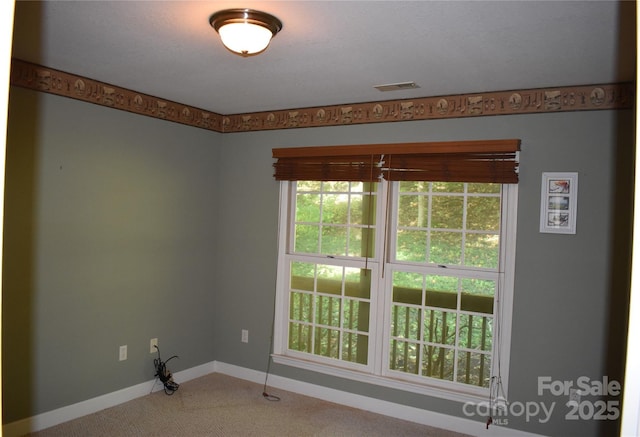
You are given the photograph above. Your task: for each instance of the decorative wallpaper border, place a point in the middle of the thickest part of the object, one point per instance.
(48, 80)
(541, 100)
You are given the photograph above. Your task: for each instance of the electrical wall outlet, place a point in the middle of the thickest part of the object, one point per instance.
(245, 336)
(152, 345)
(123, 352)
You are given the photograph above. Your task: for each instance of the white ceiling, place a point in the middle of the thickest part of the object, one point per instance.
(331, 52)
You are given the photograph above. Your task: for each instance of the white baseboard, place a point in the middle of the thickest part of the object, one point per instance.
(70, 412)
(452, 423)
(398, 411)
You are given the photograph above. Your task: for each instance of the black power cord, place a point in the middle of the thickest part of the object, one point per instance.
(162, 373)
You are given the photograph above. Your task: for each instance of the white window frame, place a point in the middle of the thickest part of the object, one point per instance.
(374, 372)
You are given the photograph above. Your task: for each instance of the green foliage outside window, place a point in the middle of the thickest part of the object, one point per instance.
(335, 218)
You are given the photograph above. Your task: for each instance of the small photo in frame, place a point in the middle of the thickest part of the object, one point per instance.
(558, 203)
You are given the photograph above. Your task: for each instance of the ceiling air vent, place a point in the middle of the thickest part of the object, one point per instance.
(397, 86)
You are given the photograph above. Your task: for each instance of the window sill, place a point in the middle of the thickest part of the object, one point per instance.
(477, 395)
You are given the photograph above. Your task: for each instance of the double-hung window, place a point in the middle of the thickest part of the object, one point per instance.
(396, 263)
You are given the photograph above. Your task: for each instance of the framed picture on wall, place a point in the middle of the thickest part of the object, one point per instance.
(559, 203)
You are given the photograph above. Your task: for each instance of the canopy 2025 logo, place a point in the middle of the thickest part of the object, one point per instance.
(602, 408)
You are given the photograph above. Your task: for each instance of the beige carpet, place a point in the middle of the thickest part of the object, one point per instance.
(219, 405)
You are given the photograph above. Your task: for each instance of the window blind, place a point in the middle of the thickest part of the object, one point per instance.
(492, 161)
(363, 168)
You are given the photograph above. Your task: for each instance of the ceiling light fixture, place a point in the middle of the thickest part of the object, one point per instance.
(245, 31)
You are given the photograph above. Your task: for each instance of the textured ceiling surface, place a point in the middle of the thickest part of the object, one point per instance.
(331, 52)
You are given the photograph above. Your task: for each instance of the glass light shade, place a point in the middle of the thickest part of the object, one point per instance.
(245, 31)
(245, 38)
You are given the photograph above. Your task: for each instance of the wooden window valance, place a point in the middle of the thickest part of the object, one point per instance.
(493, 161)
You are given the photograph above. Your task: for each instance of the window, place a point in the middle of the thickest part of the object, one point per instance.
(397, 282)
(444, 273)
(329, 287)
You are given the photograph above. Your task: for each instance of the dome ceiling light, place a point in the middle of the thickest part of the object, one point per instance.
(245, 32)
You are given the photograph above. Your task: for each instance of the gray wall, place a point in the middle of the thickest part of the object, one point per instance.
(570, 293)
(118, 229)
(111, 224)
